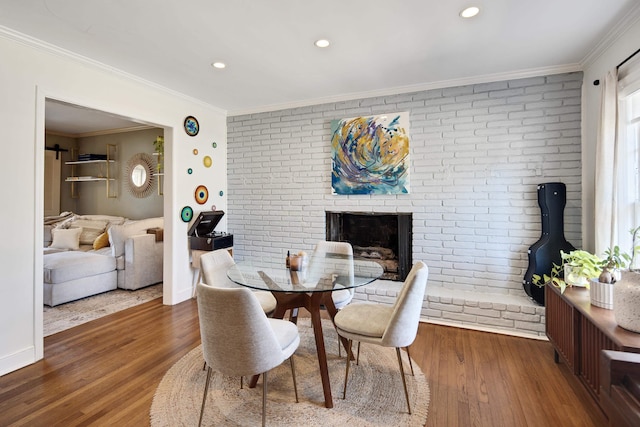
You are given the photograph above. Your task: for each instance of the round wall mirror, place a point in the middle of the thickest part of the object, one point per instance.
(139, 175)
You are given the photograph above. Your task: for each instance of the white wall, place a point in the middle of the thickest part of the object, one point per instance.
(614, 50)
(29, 74)
(477, 152)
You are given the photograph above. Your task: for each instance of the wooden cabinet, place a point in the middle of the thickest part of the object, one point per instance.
(579, 331)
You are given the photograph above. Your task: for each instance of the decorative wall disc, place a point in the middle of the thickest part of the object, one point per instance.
(221, 193)
(214, 144)
(195, 151)
(191, 126)
(186, 214)
(189, 171)
(207, 161)
(202, 194)
(213, 207)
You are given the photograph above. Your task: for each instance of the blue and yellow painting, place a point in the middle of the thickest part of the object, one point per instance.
(370, 155)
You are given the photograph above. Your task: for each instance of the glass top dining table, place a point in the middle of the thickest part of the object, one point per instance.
(310, 287)
(322, 273)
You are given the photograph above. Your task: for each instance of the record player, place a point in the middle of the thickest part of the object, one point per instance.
(202, 235)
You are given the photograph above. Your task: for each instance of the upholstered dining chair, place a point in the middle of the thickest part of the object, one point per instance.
(388, 326)
(238, 339)
(214, 267)
(340, 297)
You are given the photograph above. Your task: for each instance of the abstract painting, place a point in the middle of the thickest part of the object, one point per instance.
(370, 155)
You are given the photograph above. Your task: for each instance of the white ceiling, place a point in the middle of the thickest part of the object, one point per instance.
(378, 47)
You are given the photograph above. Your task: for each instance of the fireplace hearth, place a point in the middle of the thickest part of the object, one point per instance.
(382, 237)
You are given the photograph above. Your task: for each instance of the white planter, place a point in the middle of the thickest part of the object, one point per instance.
(601, 294)
(626, 301)
(573, 279)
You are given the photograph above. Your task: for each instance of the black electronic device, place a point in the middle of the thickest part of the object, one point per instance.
(202, 235)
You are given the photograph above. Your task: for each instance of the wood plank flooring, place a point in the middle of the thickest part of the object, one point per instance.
(105, 373)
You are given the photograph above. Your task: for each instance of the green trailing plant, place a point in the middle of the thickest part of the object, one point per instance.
(582, 264)
(158, 146)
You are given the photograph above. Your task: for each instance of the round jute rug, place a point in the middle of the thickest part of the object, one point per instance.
(374, 396)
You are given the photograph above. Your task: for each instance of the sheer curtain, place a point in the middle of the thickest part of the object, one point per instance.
(617, 186)
(606, 197)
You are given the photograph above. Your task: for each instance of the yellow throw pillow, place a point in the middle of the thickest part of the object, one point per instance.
(102, 241)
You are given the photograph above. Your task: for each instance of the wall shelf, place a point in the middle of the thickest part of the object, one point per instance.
(105, 171)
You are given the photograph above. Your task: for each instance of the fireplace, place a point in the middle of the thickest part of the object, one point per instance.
(382, 237)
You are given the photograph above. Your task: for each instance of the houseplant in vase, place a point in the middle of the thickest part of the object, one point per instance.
(626, 298)
(158, 146)
(577, 268)
(601, 289)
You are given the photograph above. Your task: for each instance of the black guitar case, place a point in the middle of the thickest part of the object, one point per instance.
(552, 198)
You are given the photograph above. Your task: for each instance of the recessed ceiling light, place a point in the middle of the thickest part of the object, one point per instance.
(470, 12)
(322, 43)
(219, 65)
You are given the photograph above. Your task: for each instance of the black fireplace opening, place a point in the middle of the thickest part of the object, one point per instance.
(385, 238)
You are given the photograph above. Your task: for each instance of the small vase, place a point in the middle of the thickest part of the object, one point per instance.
(601, 294)
(626, 301)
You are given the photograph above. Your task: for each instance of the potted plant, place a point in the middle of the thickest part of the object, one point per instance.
(577, 268)
(601, 289)
(158, 146)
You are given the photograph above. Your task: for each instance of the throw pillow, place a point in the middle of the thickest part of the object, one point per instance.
(91, 229)
(66, 238)
(102, 241)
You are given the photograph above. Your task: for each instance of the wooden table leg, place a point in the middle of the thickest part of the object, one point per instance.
(316, 321)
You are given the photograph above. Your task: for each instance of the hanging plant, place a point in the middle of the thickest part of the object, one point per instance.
(158, 146)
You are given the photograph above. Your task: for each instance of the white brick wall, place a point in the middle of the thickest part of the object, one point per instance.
(477, 155)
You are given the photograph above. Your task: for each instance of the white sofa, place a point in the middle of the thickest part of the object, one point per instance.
(80, 263)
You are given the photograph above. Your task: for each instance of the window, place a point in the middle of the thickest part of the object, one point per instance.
(629, 142)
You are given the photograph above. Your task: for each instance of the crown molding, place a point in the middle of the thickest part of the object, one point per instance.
(487, 78)
(619, 29)
(44, 46)
(100, 132)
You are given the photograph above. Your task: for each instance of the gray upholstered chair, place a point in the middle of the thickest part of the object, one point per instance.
(214, 267)
(340, 297)
(238, 339)
(388, 326)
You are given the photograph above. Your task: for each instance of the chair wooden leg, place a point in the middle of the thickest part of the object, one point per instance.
(410, 364)
(346, 375)
(404, 381)
(204, 397)
(293, 374)
(264, 399)
(358, 357)
(293, 315)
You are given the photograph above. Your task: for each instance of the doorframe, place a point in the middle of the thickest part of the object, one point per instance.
(42, 94)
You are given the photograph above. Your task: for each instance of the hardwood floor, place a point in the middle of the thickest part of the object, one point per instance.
(105, 373)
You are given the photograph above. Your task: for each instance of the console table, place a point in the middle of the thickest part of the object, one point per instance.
(579, 331)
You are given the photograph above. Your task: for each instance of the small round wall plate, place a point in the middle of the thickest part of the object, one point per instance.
(191, 126)
(186, 214)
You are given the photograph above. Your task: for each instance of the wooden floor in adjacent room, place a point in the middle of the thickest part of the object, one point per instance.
(105, 373)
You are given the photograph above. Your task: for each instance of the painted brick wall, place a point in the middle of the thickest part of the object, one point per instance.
(478, 153)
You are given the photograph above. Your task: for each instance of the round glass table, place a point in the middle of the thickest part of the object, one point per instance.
(309, 287)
